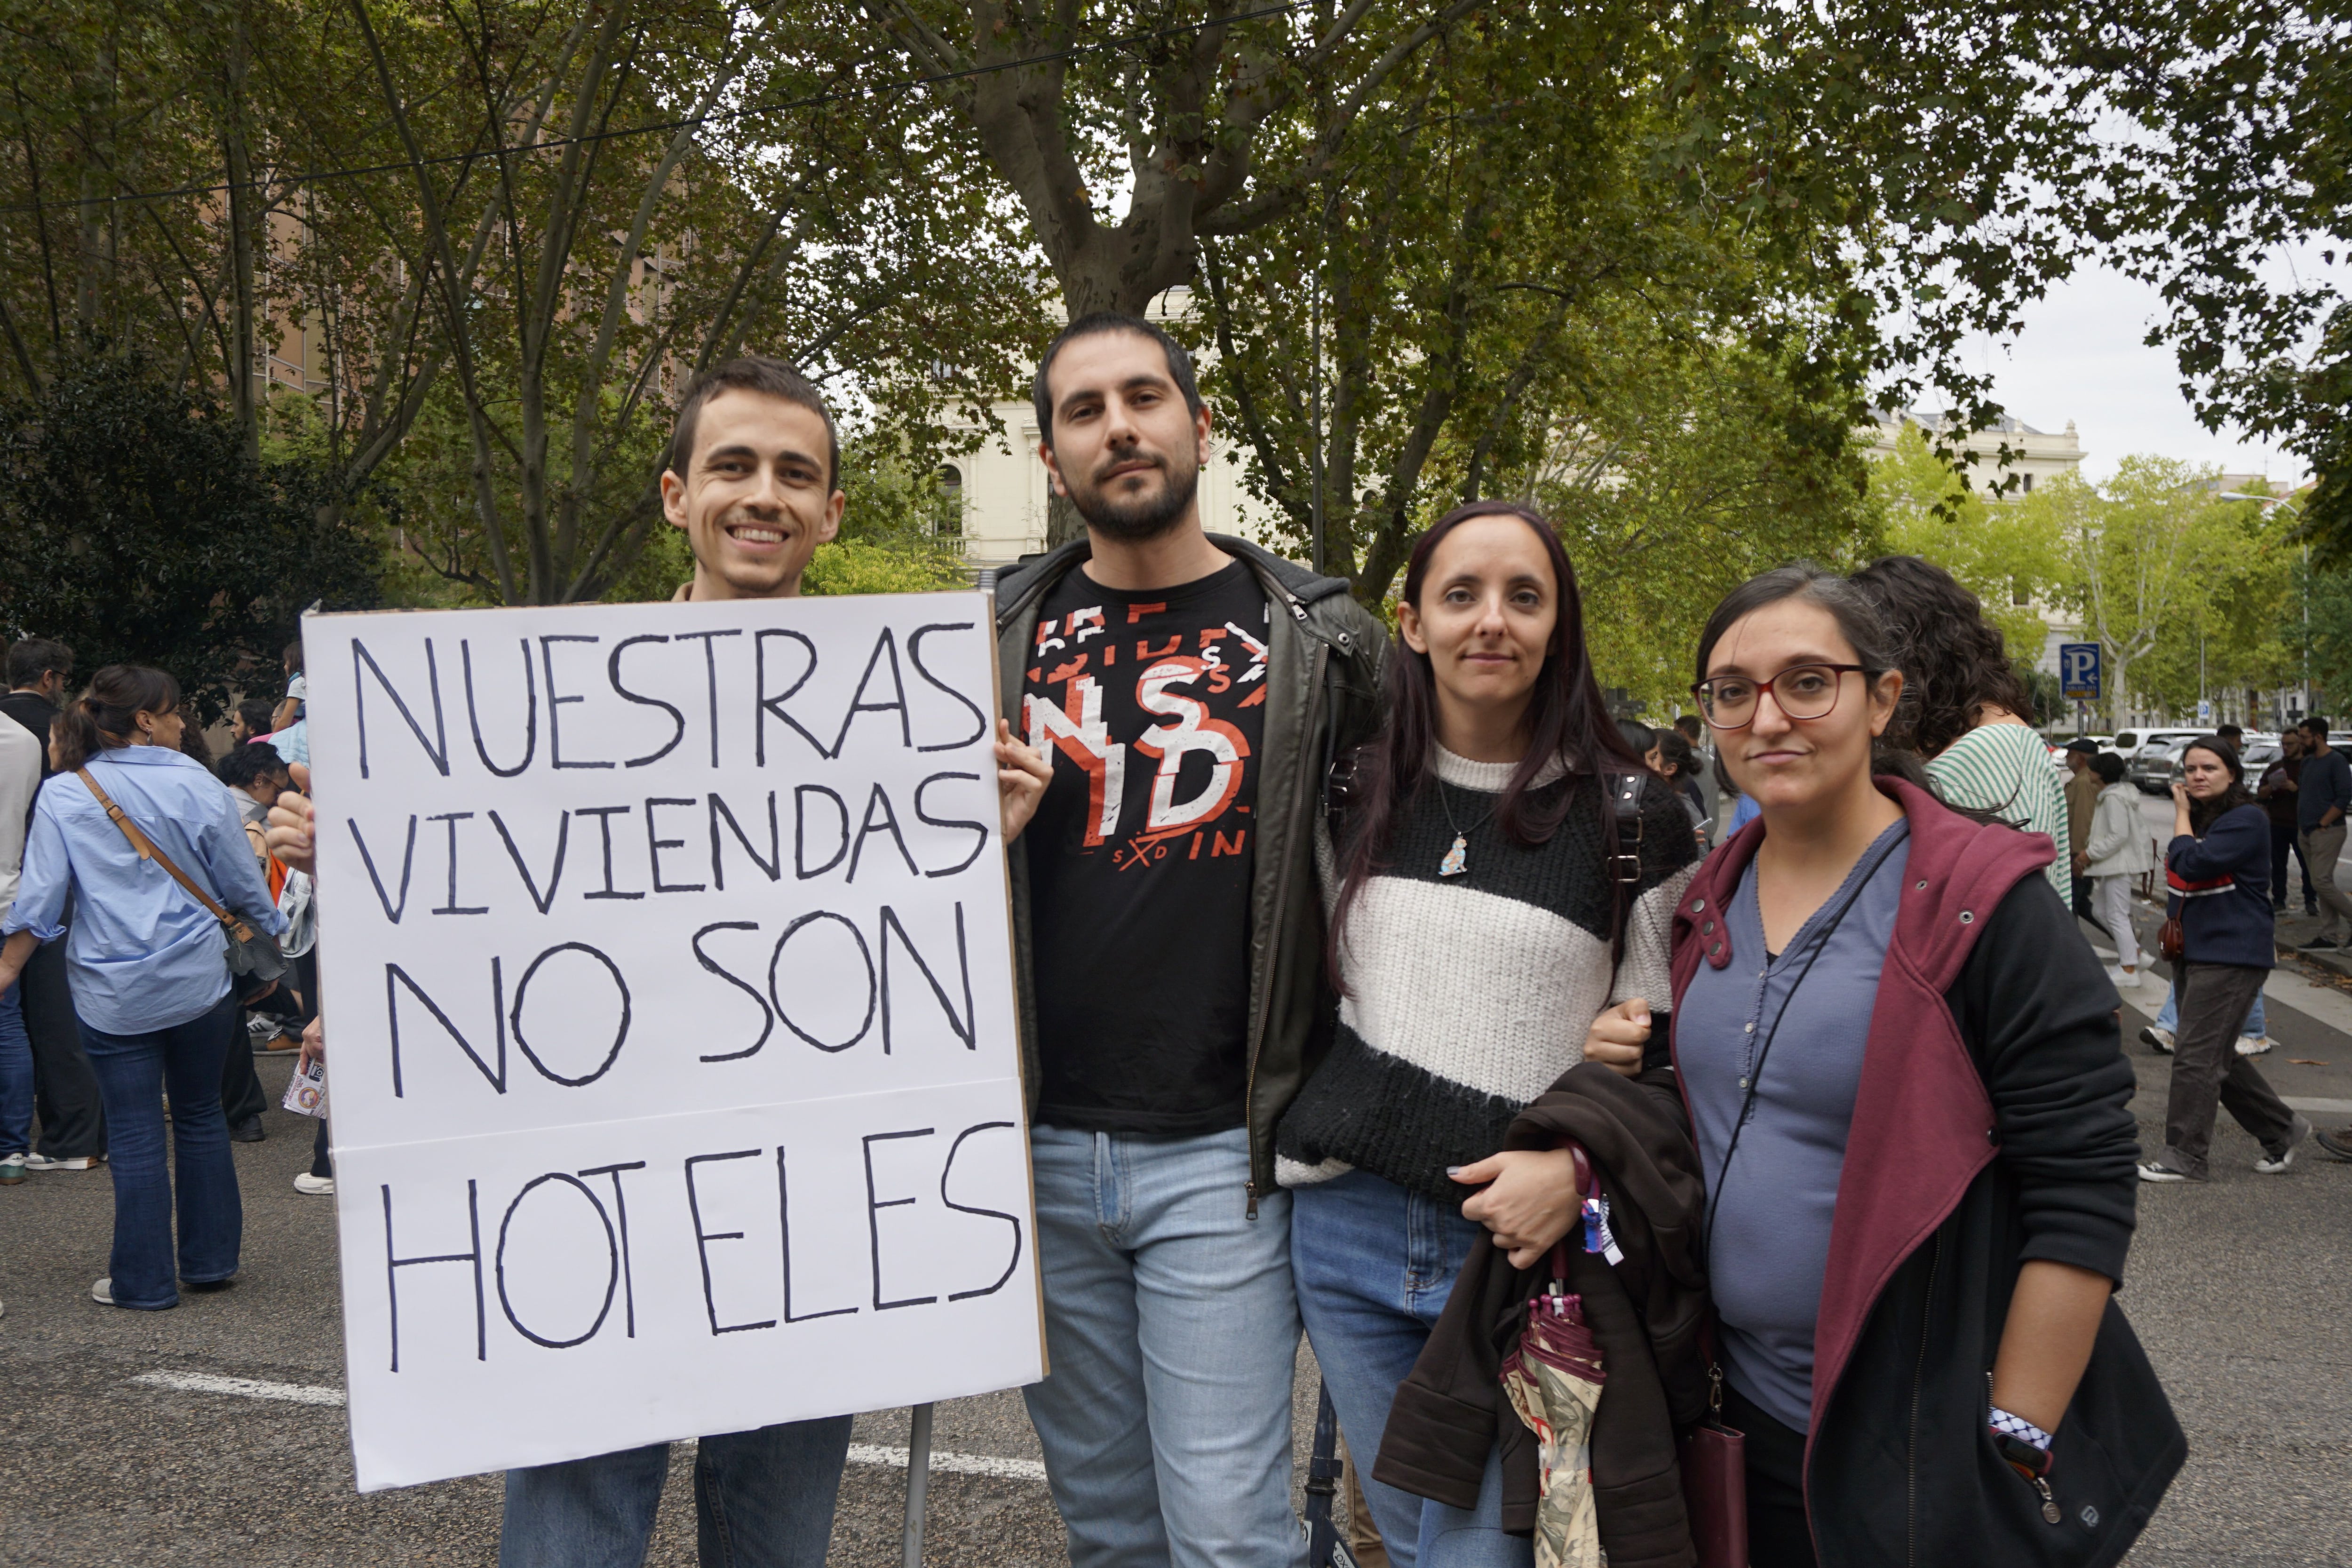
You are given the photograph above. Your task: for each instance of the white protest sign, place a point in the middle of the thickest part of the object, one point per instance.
(667, 978)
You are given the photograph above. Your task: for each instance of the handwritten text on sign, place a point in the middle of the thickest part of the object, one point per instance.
(665, 958)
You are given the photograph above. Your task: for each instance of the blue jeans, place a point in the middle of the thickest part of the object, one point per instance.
(1173, 1338)
(1375, 1264)
(16, 1075)
(2167, 1018)
(133, 1073)
(762, 1499)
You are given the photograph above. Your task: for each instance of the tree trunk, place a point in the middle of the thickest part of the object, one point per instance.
(245, 396)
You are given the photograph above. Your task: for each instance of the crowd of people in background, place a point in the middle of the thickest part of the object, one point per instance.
(1379, 1078)
(122, 843)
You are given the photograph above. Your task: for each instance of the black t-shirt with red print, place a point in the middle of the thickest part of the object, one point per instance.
(1153, 705)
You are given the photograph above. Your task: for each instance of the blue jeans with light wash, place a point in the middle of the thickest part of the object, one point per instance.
(16, 1075)
(1172, 1336)
(134, 1072)
(2167, 1018)
(762, 1499)
(1375, 1264)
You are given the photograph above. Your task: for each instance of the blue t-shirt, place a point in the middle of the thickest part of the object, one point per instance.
(1769, 1244)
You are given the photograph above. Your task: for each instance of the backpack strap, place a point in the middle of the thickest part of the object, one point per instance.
(149, 850)
(1625, 792)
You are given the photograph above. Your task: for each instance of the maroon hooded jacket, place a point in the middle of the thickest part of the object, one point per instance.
(1991, 1127)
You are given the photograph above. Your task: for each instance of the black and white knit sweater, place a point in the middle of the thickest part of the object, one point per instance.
(1468, 995)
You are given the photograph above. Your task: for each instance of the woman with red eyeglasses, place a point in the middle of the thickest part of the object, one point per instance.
(1911, 1107)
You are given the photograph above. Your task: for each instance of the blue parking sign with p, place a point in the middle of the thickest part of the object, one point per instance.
(2078, 671)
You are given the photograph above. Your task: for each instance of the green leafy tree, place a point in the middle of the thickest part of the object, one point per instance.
(2157, 564)
(2009, 555)
(1489, 295)
(2230, 636)
(142, 529)
(579, 279)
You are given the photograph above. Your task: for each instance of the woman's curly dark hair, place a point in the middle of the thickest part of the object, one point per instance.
(1952, 661)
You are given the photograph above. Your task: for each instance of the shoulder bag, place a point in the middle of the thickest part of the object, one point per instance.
(255, 961)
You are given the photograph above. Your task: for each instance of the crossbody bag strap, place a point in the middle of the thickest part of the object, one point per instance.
(149, 850)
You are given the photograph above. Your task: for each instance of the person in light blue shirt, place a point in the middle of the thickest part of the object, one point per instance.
(147, 966)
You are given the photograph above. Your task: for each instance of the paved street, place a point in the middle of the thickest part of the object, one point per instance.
(2238, 1289)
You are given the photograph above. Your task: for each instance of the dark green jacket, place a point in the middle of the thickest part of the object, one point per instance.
(1324, 659)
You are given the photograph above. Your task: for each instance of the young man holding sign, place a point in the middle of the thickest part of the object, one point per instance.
(753, 480)
(1191, 692)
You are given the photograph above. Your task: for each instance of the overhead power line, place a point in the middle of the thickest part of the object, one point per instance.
(782, 106)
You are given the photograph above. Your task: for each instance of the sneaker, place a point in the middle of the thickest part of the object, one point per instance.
(2157, 1040)
(2121, 979)
(71, 1163)
(102, 1292)
(11, 1169)
(2273, 1161)
(2337, 1144)
(2320, 944)
(2255, 1044)
(2158, 1170)
(315, 1186)
(261, 1026)
(247, 1132)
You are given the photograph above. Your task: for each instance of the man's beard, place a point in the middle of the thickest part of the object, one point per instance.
(1146, 517)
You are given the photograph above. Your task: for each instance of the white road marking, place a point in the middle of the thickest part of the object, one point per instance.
(244, 1388)
(2324, 1107)
(953, 1464)
(2322, 1003)
(859, 1452)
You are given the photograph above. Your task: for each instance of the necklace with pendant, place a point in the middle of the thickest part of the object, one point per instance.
(1457, 860)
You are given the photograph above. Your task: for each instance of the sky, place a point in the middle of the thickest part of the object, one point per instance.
(2080, 357)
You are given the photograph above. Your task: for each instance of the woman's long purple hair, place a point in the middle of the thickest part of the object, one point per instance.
(1568, 718)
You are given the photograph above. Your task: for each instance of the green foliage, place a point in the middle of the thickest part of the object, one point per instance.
(1508, 303)
(139, 530)
(863, 566)
(899, 527)
(2008, 556)
(2184, 592)
(1690, 474)
(2327, 592)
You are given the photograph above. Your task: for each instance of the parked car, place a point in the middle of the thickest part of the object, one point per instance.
(2152, 769)
(2258, 755)
(2132, 743)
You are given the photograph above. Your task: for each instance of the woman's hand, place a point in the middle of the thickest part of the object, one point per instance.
(1529, 1201)
(314, 1046)
(1618, 1038)
(291, 819)
(1022, 775)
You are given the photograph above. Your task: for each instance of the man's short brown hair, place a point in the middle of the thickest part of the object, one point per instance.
(752, 372)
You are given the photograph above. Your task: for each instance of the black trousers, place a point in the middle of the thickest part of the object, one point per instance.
(242, 1099)
(65, 1091)
(1778, 1535)
(2284, 837)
